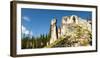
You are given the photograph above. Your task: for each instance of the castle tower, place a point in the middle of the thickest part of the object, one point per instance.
(54, 33)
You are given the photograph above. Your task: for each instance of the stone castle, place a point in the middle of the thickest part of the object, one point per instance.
(63, 30)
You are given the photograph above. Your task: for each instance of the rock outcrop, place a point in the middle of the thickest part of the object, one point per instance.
(70, 26)
(54, 33)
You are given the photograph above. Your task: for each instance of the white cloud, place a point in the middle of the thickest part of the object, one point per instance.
(31, 33)
(26, 18)
(27, 32)
(24, 30)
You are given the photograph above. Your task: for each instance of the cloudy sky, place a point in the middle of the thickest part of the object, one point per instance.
(37, 21)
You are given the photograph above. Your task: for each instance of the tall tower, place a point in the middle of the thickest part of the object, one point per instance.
(54, 33)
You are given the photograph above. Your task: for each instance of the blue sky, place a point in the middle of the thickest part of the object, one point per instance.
(37, 21)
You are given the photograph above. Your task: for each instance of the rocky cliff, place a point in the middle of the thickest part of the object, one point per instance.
(74, 30)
